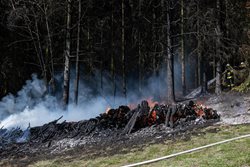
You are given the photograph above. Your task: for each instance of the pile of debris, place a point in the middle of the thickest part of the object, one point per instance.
(122, 120)
(169, 115)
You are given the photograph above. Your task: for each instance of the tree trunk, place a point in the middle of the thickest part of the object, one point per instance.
(140, 59)
(124, 86)
(77, 51)
(218, 78)
(36, 49)
(196, 73)
(162, 37)
(140, 63)
(112, 54)
(50, 49)
(40, 50)
(214, 66)
(183, 69)
(170, 70)
(199, 66)
(204, 83)
(218, 52)
(154, 43)
(155, 56)
(198, 46)
(67, 58)
(227, 18)
(204, 87)
(101, 79)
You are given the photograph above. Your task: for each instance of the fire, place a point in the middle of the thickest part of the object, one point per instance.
(107, 110)
(151, 103)
(201, 102)
(199, 109)
(132, 106)
(154, 116)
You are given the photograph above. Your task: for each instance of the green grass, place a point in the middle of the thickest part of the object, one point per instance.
(244, 87)
(233, 154)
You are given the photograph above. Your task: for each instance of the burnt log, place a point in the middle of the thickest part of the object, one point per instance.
(130, 125)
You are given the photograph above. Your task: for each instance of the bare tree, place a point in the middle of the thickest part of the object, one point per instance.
(140, 55)
(47, 12)
(78, 50)
(67, 58)
(182, 53)
(169, 58)
(198, 72)
(124, 85)
(113, 76)
(218, 47)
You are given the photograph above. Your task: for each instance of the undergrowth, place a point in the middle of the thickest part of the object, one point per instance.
(244, 87)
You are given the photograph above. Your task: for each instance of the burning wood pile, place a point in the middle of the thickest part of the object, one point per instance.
(171, 116)
(123, 120)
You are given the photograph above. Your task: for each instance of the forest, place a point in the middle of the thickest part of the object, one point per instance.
(117, 82)
(118, 47)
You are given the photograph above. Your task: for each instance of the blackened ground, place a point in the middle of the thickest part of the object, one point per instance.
(233, 107)
(96, 146)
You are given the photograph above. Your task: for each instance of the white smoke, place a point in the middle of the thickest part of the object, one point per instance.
(42, 114)
(33, 104)
(29, 95)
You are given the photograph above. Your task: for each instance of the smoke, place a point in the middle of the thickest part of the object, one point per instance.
(30, 95)
(35, 105)
(41, 114)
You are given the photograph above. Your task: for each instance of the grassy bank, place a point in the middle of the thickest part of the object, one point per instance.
(236, 153)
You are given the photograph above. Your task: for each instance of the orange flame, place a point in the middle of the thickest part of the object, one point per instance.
(199, 109)
(107, 110)
(151, 103)
(154, 116)
(132, 106)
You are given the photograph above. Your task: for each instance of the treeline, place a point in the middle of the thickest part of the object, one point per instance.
(126, 38)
